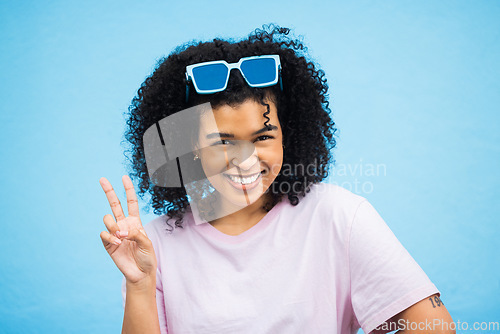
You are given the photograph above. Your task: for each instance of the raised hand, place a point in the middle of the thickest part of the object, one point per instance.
(126, 241)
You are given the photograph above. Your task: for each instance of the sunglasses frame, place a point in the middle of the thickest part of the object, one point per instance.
(190, 77)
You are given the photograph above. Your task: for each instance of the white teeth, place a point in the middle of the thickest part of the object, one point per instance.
(245, 180)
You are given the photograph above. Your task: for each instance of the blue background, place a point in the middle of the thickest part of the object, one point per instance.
(414, 89)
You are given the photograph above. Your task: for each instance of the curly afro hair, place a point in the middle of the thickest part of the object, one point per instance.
(303, 112)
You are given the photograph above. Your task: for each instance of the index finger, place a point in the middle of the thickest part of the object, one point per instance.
(113, 200)
(132, 204)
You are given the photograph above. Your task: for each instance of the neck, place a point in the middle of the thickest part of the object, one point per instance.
(241, 219)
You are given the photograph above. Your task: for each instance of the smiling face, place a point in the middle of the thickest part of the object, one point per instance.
(239, 155)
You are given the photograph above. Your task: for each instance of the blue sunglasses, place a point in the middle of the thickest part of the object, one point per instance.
(212, 76)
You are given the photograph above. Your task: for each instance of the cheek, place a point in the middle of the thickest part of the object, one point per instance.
(209, 167)
(214, 160)
(273, 157)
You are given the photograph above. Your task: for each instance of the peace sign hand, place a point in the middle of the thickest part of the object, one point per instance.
(126, 241)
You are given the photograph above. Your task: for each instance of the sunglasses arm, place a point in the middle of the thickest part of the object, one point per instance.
(279, 79)
(188, 81)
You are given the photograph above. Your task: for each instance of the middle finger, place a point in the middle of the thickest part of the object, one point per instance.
(132, 204)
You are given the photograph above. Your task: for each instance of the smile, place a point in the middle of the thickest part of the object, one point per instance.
(245, 182)
(245, 179)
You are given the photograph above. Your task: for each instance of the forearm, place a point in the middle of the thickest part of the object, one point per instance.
(141, 314)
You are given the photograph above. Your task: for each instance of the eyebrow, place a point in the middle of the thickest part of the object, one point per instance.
(230, 135)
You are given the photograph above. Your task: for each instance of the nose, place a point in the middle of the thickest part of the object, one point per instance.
(245, 156)
(246, 164)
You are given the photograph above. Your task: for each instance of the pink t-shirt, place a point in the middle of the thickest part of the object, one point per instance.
(328, 265)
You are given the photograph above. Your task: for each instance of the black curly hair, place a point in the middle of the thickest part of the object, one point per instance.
(303, 112)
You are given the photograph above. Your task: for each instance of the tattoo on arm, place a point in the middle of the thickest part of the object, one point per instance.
(436, 301)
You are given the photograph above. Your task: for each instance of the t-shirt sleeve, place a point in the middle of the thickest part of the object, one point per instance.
(385, 279)
(160, 302)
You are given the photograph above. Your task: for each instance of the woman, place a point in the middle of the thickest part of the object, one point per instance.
(249, 240)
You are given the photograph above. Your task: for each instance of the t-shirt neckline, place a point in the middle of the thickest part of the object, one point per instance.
(209, 230)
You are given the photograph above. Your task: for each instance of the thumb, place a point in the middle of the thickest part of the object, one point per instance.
(139, 235)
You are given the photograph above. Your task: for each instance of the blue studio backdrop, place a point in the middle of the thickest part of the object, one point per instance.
(414, 90)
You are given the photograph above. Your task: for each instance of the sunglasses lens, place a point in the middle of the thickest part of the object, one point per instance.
(210, 77)
(259, 71)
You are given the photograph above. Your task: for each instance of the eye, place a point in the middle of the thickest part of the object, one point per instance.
(221, 142)
(264, 137)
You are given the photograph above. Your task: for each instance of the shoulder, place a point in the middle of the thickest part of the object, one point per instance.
(326, 207)
(157, 228)
(332, 198)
